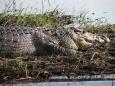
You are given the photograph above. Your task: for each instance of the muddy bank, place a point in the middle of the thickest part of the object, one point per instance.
(43, 67)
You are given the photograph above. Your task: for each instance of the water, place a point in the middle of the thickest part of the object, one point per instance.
(83, 83)
(105, 76)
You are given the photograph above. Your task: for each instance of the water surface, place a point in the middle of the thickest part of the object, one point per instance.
(83, 83)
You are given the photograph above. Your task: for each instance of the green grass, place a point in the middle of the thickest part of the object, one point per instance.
(54, 18)
(48, 19)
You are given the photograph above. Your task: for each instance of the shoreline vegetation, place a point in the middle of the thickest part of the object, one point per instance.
(43, 67)
(30, 80)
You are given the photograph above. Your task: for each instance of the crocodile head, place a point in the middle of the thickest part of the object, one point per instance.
(84, 39)
(89, 37)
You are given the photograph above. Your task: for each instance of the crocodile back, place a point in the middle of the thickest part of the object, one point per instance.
(15, 40)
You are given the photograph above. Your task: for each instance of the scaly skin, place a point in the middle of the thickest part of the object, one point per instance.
(22, 40)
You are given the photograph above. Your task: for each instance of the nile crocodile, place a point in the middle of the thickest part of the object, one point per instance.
(15, 40)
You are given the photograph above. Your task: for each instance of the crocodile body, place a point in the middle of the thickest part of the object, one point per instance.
(15, 40)
(22, 40)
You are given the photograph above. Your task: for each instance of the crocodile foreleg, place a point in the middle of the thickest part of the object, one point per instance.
(56, 49)
(46, 44)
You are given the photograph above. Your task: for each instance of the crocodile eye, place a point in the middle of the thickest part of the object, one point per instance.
(84, 31)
